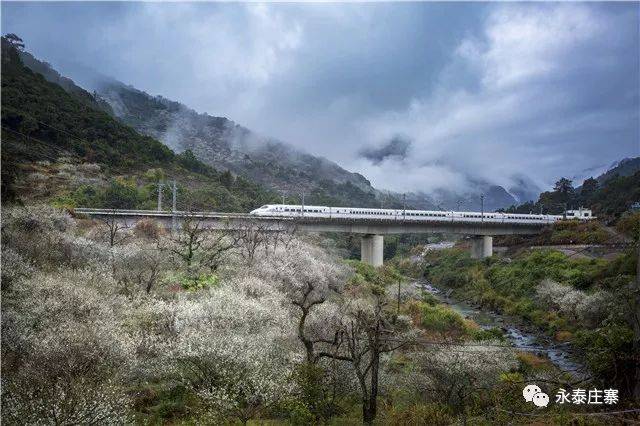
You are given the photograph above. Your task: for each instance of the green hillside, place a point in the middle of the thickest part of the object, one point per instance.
(609, 195)
(52, 136)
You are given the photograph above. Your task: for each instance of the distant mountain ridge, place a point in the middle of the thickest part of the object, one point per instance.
(624, 167)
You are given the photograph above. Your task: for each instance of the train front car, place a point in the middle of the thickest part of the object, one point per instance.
(266, 210)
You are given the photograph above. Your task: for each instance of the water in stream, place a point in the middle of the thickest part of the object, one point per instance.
(558, 354)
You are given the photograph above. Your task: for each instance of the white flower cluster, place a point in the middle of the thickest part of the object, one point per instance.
(451, 374)
(237, 345)
(588, 308)
(66, 347)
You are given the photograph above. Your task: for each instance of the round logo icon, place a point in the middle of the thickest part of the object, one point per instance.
(529, 391)
(541, 399)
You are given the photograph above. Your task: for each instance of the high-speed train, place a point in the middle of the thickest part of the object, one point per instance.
(286, 210)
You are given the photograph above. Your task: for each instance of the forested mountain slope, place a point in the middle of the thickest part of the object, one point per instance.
(609, 195)
(61, 145)
(225, 145)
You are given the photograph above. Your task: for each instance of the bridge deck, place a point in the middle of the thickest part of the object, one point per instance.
(331, 224)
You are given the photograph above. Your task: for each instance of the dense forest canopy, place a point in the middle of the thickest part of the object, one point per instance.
(608, 199)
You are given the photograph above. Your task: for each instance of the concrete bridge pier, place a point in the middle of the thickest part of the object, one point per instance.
(371, 249)
(481, 246)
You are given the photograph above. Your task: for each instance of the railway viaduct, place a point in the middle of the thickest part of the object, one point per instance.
(372, 229)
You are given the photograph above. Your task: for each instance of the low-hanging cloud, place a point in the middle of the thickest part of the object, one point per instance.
(540, 100)
(482, 91)
(397, 148)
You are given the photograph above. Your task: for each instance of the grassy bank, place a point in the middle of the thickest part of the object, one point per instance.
(586, 302)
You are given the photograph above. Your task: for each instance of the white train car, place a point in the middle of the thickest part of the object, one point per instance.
(287, 210)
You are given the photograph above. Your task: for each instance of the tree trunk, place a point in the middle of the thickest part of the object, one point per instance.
(366, 412)
(367, 415)
(308, 345)
(373, 394)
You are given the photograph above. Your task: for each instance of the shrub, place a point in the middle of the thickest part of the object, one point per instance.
(629, 224)
(590, 309)
(147, 228)
(453, 376)
(140, 266)
(41, 235)
(607, 352)
(234, 350)
(14, 268)
(65, 352)
(442, 319)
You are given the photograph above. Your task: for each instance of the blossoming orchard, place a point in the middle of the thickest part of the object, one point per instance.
(106, 324)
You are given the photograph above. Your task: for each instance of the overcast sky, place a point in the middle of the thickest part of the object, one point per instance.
(414, 96)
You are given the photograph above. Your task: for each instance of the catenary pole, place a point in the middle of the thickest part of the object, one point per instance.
(173, 217)
(160, 185)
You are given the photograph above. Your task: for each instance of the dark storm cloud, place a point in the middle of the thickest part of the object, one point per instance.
(397, 149)
(493, 90)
